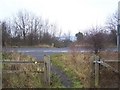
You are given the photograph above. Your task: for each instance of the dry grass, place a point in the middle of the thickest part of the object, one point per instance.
(80, 64)
(28, 78)
(109, 55)
(109, 79)
(20, 57)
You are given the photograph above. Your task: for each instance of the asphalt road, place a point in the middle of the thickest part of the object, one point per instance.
(40, 52)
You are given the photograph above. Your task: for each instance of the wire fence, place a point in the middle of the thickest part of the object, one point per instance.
(101, 70)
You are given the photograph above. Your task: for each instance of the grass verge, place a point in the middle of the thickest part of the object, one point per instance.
(55, 82)
(57, 61)
(77, 67)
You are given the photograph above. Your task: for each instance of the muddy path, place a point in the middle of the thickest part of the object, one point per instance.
(65, 80)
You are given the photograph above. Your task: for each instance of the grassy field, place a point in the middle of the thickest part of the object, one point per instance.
(77, 67)
(29, 78)
(34, 46)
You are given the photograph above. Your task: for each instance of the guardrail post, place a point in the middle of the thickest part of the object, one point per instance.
(47, 70)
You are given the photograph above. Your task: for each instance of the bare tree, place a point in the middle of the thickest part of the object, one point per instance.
(22, 24)
(34, 30)
(67, 39)
(112, 23)
(28, 27)
(53, 29)
(96, 38)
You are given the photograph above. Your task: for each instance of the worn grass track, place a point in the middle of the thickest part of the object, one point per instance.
(64, 79)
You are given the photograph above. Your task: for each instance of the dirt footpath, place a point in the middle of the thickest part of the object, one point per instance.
(65, 80)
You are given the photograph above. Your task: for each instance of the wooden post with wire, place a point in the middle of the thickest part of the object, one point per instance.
(97, 71)
(92, 70)
(47, 70)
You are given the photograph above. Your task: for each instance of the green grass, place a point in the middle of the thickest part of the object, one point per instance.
(55, 82)
(56, 60)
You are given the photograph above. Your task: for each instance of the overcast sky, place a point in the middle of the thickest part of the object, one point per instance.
(69, 15)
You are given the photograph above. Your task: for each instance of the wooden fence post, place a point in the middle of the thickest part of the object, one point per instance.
(92, 76)
(97, 71)
(94, 64)
(47, 70)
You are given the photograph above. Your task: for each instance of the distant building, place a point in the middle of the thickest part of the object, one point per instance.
(72, 38)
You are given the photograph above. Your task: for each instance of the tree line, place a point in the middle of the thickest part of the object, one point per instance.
(26, 29)
(98, 38)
